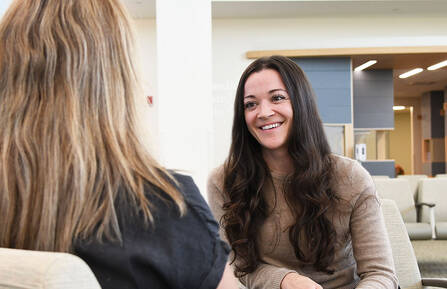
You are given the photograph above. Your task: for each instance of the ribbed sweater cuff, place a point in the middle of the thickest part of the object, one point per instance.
(278, 276)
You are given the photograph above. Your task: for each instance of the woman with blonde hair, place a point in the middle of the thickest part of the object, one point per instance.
(74, 175)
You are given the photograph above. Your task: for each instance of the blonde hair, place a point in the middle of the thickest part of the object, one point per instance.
(69, 147)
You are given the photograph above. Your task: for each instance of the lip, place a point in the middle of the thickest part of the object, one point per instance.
(270, 123)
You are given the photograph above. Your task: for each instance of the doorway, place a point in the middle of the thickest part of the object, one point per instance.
(401, 140)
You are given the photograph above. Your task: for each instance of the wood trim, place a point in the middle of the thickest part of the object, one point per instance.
(381, 144)
(347, 51)
(412, 140)
(349, 140)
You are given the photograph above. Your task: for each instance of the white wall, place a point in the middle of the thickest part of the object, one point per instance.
(4, 4)
(146, 63)
(232, 38)
(184, 66)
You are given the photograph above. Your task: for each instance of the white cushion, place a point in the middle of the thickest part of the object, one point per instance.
(399, 191)
(419, 231)
(441, 230)
(414, 182)
(434, 191)
(34, 269)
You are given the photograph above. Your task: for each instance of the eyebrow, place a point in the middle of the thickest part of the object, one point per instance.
(270, 91)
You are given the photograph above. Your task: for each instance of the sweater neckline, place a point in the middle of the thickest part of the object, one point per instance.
(278, 175)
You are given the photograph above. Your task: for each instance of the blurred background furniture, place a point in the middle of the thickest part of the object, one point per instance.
(49, 270)
(434, 190)
(378, 177)
(407, 269)
(414, 181)
(399, 190)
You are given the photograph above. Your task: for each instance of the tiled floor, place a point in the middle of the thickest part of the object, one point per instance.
(432, 257)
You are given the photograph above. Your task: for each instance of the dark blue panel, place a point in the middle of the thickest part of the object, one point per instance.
(378, 168)
(324, 64)
(331, 81)
(438, 168)
(373, 99)
(335, 115)
(437, 120)
(327, 97)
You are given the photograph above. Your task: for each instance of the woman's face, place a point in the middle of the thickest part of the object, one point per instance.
(268, 110)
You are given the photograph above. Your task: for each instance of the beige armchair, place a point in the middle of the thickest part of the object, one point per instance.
(405, 262)
(399, 190)
(435, 191)
(414, 181)
(26, 269)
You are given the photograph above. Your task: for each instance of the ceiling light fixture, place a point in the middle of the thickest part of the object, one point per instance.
(438, 65)
(410, 73)
(398, 107)
(365, 65)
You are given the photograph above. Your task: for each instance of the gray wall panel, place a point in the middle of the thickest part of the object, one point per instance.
(438, 168)
(378, 168)
(331, 81)
(373, 99)
(437, 120)
(426, 116)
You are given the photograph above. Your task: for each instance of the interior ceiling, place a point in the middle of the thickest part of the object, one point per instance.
(315, 8)
(303, 8)
(413, 86)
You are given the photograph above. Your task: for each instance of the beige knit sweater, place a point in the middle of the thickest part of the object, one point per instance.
(363, 256)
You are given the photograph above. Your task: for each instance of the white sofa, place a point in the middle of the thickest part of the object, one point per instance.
(26, 269)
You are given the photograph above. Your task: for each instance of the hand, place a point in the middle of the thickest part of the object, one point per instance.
(296, 281)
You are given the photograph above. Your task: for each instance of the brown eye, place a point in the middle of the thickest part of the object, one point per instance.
(249, 105)
(278, 97)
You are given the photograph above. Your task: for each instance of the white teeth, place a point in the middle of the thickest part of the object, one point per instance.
(270, 126)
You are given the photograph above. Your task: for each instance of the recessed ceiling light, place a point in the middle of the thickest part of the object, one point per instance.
(398, 107)
(410, 73)
(438, 65)
(365, 65)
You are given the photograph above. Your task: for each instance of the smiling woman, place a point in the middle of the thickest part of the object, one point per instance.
(295, 215)
(268, 111)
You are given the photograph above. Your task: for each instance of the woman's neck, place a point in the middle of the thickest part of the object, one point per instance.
(278, 161)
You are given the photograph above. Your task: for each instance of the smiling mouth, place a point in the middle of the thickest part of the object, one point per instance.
(270, 126)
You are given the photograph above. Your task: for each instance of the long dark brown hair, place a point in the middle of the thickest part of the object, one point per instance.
(308, 190)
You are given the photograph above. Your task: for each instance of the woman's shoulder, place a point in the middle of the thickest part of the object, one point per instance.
(215, 191)
(351, 178)
(147, 251)
(192, 196)
(216, 177)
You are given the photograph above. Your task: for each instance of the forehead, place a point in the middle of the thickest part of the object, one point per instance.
(262, 82)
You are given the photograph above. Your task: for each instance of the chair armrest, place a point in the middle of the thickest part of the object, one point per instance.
(435, 282)
(431, 212)
(431, 205)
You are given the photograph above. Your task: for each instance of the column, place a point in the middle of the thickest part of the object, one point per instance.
(185, 86)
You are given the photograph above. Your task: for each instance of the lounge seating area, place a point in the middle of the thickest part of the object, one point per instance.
(422, 203)
(399, 190)
(407, 267)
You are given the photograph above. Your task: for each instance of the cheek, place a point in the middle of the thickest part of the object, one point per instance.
(248, 119)
(250, 122)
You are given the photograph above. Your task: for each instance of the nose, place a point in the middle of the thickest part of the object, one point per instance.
(265, 110)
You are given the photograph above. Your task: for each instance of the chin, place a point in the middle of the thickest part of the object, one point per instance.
(272, 147)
